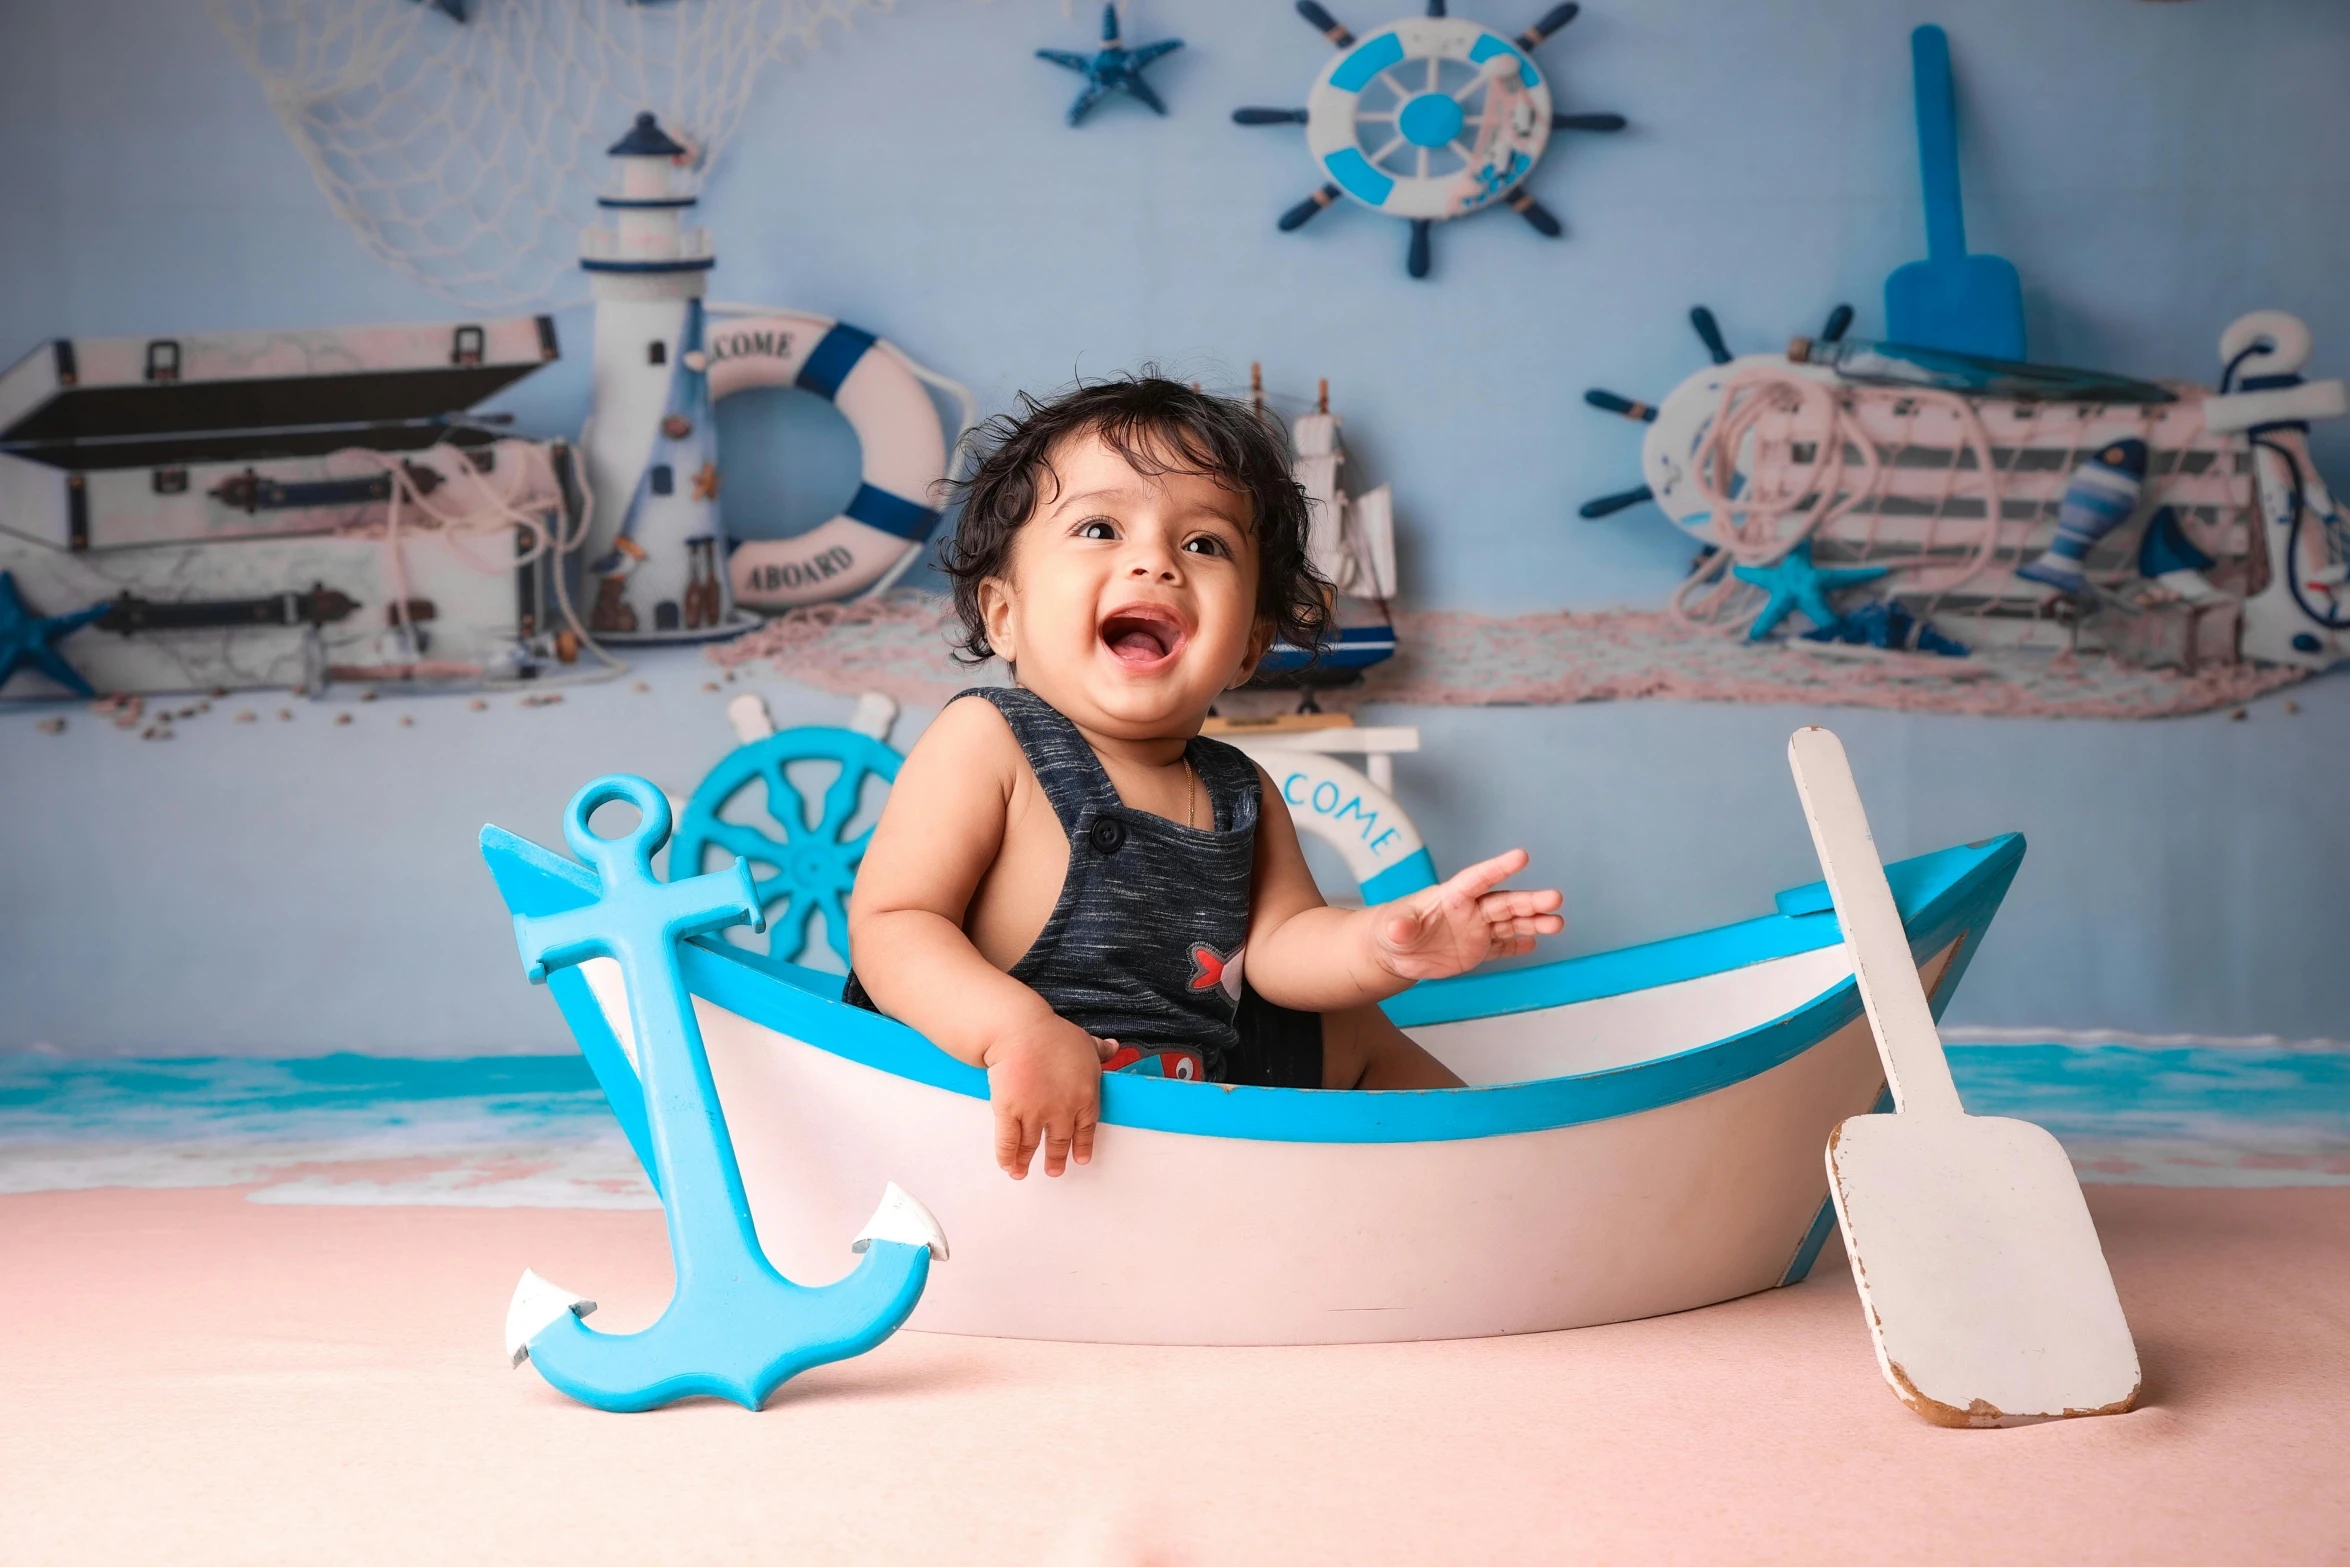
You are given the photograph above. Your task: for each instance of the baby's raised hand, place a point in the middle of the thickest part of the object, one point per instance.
(1450, 929)
(1046, 1087)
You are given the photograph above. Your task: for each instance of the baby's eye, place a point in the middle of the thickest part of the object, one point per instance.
(1097, 528)
(1206, 544)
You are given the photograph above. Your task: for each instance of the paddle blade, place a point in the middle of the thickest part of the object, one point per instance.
(1979, 1270)
(1968, 304)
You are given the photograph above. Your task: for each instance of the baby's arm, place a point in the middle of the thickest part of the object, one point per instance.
(938, 836)
(1306, 955)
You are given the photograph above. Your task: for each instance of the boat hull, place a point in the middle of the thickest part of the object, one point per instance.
(1646, 1179)
(1172, 1238)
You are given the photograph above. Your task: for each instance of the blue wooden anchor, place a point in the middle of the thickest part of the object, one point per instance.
(735, 1327)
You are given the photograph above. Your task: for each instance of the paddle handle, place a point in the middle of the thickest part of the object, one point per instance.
(1907, 1041)
(1929, 61)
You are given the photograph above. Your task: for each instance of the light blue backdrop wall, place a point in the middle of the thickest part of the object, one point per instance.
(2153, 170)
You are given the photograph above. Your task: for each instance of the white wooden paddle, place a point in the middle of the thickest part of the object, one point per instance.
(1979, 1270)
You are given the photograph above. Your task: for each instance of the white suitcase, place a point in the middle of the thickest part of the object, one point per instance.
(247, 504)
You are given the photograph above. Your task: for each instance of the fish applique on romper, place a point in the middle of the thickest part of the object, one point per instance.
(1210, 970)
(1183, 1065)
(1213, 971)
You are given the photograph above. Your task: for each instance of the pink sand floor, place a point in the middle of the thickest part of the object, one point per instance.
(188, 1377)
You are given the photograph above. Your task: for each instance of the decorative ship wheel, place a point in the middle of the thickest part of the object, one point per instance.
(1709, 332)
(797, 870)
(1428, 119)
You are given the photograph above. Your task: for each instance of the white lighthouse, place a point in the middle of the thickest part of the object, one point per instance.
(654, 544)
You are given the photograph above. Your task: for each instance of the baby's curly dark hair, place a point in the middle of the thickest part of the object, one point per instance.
(1158, 426)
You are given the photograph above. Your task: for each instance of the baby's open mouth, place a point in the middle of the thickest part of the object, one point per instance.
(1142, 634)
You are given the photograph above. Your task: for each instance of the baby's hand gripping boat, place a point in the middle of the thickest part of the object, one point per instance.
(1642, 1134)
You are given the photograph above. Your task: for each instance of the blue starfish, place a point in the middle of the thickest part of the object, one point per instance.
(1793, 582)
(1114, 68)
(1885, 624)
(25, 638)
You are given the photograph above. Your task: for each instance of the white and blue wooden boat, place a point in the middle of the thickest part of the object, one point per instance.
(1643, 1134)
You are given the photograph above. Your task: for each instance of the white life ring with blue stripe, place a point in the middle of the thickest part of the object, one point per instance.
(1331, 801)
(1429, 117)
(904, 455)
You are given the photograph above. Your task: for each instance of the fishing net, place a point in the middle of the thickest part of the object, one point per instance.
(463, 140)
(1456, 659)
(900, 644)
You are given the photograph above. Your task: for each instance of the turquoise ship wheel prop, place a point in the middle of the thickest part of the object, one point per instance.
(1429, 119)
(797, 870)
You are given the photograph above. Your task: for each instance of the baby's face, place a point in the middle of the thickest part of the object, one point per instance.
(1131, 598)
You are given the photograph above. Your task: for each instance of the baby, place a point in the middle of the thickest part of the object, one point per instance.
(1067, 875)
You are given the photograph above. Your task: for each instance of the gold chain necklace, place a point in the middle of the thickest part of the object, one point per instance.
(1190, 794)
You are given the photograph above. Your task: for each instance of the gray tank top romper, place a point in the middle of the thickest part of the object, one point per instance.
(1142, 945)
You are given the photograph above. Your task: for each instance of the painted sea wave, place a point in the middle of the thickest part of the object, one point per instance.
(533, 1131)
(489, 1131)
(2174, 1116)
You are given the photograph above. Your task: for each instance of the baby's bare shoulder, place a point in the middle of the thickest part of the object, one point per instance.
(968, 750)
(966, 731)
(946, 816)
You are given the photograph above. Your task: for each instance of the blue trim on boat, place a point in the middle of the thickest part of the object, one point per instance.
(1810, 898)
(1370, 57)
(1815, 1240)
(833, 357)
(626, 202)
(1920, 886)
(607, 1060)
(1952, 894)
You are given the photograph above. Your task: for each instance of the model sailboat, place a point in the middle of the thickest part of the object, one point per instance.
(1352, 546)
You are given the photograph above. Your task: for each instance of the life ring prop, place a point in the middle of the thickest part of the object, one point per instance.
(1346, 810)
(1406, 92)
(904, 455)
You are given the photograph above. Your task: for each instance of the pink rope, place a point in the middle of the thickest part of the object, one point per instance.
(524, 495)
(1756, 521)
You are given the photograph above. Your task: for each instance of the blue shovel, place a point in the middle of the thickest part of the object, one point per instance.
(735, 1328)
(1968, 304)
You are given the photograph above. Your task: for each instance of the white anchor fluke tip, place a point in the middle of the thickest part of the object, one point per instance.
(536, 1303)
(900, 1218)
